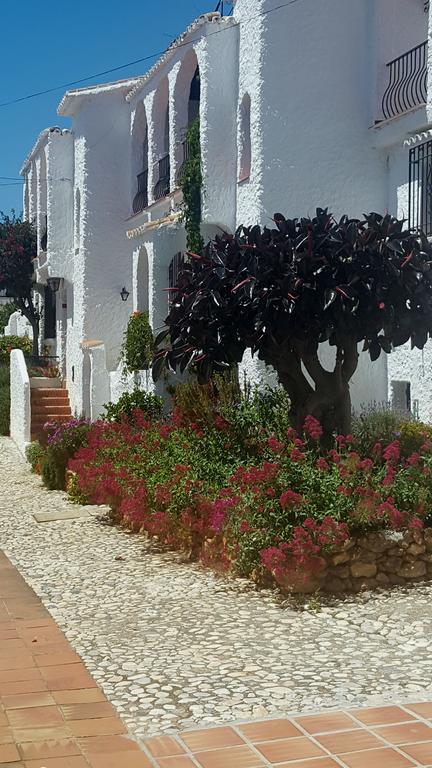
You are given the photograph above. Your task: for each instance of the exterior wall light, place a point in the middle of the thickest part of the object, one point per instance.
(124, 293)
(54, 283)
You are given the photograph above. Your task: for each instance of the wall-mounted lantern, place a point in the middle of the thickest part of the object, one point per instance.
(124, 293)
(54, 283)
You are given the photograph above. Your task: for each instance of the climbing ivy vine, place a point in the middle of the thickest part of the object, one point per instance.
(191, 185)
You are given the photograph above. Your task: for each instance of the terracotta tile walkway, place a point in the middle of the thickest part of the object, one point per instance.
(53, 715)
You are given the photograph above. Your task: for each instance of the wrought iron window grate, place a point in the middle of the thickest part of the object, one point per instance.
(420, 187)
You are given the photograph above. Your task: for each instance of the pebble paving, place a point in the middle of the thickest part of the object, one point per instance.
(174, 646)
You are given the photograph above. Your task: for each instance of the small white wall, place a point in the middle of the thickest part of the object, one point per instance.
(99, 381)
(20, 410)
(414, 366)
(18, 325)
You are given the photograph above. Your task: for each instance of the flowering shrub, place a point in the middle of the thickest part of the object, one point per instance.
(63, 440)
(35, 453)
(8, 343)
(275, 504)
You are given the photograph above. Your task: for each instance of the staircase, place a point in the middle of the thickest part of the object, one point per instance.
(48, 405)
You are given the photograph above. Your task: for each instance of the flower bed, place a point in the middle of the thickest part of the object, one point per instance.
(260, 501)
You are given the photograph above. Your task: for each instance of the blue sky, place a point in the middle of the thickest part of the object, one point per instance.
(45, 44)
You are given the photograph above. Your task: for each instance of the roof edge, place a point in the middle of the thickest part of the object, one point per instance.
(41, 139)
(182, 39)
(69, 99)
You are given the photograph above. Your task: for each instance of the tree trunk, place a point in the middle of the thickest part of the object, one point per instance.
(328, 400)
(35, 342)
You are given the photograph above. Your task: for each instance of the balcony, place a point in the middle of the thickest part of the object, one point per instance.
(407, 82)
(140, 200)
(162, 187)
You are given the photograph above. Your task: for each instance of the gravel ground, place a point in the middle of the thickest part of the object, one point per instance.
(174, 646)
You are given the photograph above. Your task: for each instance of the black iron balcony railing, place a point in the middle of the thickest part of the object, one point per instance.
(407, 87)
(420, 188)
(185, 156)
(162, 187)
(140, 200)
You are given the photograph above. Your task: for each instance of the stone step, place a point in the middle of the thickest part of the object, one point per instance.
(51, 409)
(41, 418)
(37, 394)
(50, 402)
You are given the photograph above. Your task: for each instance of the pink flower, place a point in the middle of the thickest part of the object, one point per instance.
(275, 445)
(297, 455)
(413, 459)
(313, 428)
(322, 465)
(366, 465)
(290, 499)
(391, 453)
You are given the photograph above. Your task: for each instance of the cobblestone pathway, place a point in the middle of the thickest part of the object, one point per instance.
(173, 646)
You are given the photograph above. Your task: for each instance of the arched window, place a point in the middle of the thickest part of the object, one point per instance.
(139, 160)
(194, 97)
(161, 119)
(176, 264)
(245, 158)
(187, 96)
(142, 281)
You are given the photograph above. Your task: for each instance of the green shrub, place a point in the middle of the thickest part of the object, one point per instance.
(413, 435)
(64, 440)
(4, 399)
(200, 403)
(53, 475)
(8, 343)
(6, 310)
(138, 343)
(138, 400)
(376, 424)
(35, 453)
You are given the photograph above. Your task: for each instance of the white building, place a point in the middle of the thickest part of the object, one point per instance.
(316, 103)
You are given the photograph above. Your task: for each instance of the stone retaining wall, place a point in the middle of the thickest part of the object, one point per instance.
(375, 560)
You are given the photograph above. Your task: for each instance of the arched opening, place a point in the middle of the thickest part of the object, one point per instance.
(142, 281)
(187, 106)
(245, 157)
(139, 159)
(161, 117)
(176, 264)
(194, 97)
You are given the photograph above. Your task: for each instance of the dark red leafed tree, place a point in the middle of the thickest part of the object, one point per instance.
(18, 248)
(283, 291)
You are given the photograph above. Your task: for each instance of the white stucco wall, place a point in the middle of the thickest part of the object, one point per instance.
(20, 412)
